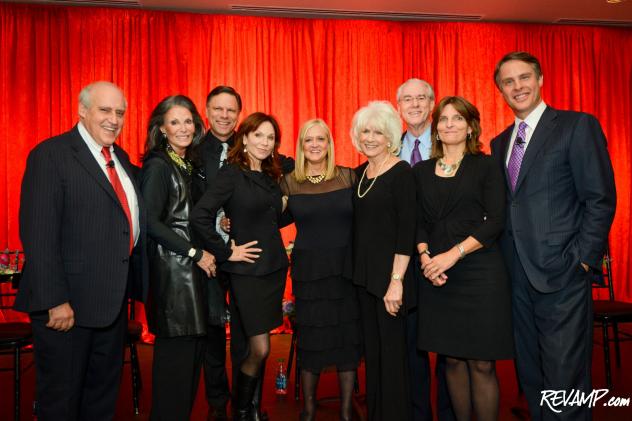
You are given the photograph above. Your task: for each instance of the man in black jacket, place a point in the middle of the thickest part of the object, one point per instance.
(82, 227)
(223, 105)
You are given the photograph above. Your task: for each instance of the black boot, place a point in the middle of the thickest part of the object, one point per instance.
(245, 391)
(259, 414)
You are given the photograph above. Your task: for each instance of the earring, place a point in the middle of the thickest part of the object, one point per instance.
(469, 136)
(245, 149)
(438, 139)
(389, 144)
(272, 154)
(164, 135)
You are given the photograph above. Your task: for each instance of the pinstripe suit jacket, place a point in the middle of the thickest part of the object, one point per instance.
(75, 234)
(561, 210)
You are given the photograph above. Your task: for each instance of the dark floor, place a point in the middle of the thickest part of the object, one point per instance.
(287, 408)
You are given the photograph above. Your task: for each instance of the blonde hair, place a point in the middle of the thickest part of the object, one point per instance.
(380, 115)
(299, 168)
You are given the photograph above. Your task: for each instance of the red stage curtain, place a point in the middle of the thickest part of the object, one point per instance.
(296, 69)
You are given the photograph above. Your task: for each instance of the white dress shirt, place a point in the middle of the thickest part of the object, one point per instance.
(132, 200)
(532, 121)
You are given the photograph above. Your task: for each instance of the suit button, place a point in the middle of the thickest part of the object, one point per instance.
(125, 259)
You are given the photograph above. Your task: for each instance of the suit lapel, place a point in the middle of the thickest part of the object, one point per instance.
(504, 140)
(87, 161)
(538, 139)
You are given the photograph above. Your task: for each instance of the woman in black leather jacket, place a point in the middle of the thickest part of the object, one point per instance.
(177, 307)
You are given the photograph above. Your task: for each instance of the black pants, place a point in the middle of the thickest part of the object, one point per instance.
(553, 337)
(386, 361)
(215, 378)
(78, 372)
(175, 376)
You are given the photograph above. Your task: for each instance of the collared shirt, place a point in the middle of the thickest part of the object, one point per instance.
(132, 200)
(532, 121)
(408, 142)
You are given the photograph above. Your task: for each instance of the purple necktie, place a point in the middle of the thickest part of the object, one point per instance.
(415, 156)
(517, 153)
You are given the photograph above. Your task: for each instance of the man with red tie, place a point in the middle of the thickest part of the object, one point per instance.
(82, 228)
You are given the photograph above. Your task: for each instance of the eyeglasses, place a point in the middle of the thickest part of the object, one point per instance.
(409, 99)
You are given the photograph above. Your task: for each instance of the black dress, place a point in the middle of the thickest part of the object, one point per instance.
(327, 315)
(470, 316)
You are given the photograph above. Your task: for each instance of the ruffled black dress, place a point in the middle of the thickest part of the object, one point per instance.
(327, 314)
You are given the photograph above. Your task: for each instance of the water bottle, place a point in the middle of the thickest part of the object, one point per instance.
(280, 384)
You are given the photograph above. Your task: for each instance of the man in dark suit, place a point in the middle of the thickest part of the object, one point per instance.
(415, 101)
(223, 105)
(560, 205)
(81, 225)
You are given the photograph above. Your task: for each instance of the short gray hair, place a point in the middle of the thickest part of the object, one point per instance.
(428, 86)
(380, 115)
(85, 96)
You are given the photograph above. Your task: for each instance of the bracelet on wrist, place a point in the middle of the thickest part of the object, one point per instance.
(461, 251)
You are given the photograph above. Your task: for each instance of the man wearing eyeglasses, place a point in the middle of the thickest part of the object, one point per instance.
(415, 101)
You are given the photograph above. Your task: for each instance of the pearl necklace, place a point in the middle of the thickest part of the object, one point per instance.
(361, 195)
(448, 169)
(315, 179)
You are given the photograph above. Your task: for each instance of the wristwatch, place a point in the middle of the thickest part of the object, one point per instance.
(396, 276)
(192, 252)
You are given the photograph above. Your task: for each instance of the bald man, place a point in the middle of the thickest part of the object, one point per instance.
(82, 228)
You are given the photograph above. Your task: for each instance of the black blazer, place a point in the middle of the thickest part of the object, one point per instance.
(476, 205)
(564, 202)
(76, 235)
(252, 201)
(211, 151)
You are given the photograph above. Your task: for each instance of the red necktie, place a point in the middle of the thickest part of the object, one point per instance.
(120, 192)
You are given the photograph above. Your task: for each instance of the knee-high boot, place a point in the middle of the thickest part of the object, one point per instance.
(246, 386)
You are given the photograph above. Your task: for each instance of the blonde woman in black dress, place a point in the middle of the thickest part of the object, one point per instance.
(320, 202)
(465, 304)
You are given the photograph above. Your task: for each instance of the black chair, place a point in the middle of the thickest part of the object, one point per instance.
(609, 313)
(134, 334)
(14, 336)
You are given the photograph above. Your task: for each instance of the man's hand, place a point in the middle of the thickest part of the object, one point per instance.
(207, 263)
(61, 317)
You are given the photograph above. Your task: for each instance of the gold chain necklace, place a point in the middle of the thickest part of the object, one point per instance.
(448, 169)
(361, 195)
(315, 179)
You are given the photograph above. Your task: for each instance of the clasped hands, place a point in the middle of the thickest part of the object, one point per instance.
(434, 268)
